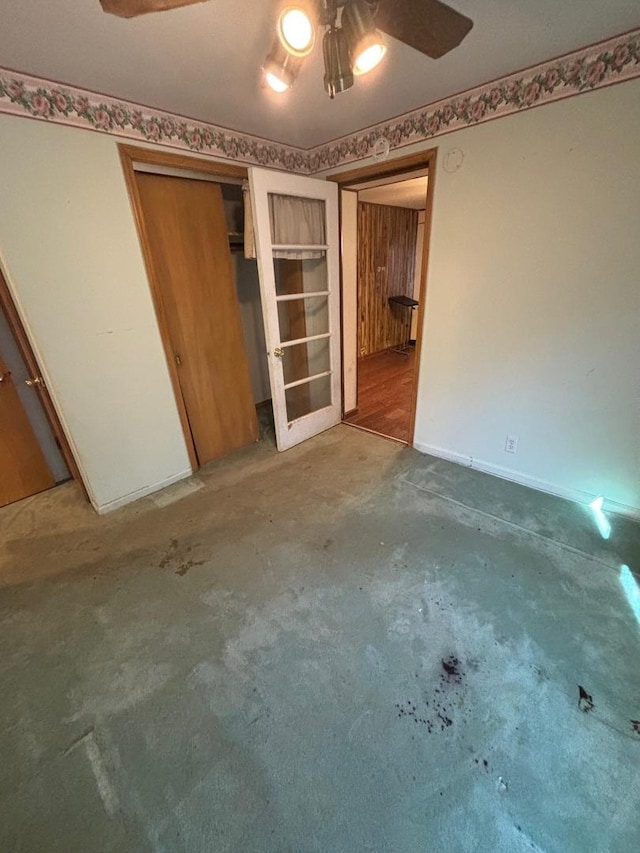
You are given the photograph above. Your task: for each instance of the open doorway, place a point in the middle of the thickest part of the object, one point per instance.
(34, 453)
(390, 231)
(385, 225)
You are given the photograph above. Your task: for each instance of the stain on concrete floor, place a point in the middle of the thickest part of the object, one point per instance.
(377, 651)
(180, 562)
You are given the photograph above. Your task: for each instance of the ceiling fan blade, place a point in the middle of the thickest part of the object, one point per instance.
(132, 8)
(426, 25)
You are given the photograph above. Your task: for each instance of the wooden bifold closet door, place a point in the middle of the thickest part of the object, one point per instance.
(186, 235)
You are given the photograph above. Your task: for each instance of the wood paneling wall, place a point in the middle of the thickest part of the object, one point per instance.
(386, 267)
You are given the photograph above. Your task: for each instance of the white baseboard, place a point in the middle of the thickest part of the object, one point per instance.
(141, 493)
(575, 495)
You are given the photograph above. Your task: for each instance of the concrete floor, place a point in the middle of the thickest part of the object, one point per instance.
(348, 647)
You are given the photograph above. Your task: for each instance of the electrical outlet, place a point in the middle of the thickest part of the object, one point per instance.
(511, 444)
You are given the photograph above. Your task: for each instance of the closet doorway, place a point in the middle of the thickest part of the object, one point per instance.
(187, 237)
(184, 228)
(236, 329)
(385, 219)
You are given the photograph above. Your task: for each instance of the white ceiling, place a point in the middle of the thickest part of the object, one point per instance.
(202, 61)
(412, 193)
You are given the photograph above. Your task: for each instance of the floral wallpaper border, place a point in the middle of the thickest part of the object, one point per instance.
(42, 99)
(595, 67)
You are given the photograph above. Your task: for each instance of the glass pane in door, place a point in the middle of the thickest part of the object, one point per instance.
(309, 397)
(300, 275)
(303, 318)
(307, 359)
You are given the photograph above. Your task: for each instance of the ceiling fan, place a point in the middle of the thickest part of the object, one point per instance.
(353, 43)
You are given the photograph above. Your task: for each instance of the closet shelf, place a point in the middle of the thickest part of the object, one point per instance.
(236, 241)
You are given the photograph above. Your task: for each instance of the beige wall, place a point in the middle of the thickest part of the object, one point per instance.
(69, 247)
(533, 306)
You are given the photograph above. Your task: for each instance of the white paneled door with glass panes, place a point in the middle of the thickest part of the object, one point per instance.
(296, 231)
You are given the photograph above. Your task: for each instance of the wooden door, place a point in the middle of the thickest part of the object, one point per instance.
(186, 232)
(300, 289)
(23, 470)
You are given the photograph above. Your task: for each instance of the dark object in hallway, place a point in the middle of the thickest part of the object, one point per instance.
(406, 301)
(384, 394)
(412, 304)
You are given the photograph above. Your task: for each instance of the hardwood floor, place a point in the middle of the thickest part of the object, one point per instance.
(384, 394)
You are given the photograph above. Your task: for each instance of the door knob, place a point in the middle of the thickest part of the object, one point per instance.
(4, 377)
(37, 380)
(278, 352)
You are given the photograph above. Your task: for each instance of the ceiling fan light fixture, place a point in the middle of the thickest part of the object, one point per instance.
(338, 74)
(278, 84)
(280, 68)
(296, 31)
(365, 40)
(369, 56)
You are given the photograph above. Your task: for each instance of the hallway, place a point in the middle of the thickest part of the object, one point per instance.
(385, 384)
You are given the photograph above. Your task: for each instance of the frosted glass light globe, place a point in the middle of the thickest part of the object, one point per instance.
(369, 58)
(295, 30)
(276, 83)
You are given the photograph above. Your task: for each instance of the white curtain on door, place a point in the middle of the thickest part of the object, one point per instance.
(297, 221)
